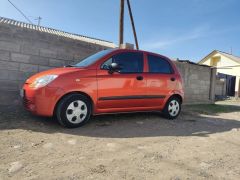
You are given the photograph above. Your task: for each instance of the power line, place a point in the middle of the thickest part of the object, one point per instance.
(20, 12)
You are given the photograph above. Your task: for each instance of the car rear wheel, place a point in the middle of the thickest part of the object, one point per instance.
(73, 111)
(172, 108)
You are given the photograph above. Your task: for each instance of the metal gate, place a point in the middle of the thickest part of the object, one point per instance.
(230, 83)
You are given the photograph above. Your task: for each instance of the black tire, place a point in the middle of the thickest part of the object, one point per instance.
(64, 109)
(170, 114)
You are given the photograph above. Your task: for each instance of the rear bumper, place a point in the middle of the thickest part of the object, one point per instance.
(41, 101)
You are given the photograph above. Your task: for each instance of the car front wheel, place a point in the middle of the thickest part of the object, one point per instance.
(73, 111)
(172, 108)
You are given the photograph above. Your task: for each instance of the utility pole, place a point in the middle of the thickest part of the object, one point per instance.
(39, 20)
(121, 23)
(132, 22)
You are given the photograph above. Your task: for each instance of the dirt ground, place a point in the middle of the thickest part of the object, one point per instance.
(203, 143)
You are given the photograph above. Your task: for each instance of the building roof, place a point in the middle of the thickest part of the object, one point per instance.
(189, 62)
(230, 56)
(56, 32)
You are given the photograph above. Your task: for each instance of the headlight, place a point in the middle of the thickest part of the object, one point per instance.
(43, 81)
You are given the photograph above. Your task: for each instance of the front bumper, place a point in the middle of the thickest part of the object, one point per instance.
(40, 101)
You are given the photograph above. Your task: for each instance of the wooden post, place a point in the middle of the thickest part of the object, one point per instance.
(121, 23)
(132, 22)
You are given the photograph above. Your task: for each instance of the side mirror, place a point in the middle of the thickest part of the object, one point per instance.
(113, 68)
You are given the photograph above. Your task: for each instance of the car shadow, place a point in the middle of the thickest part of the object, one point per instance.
(121, 125)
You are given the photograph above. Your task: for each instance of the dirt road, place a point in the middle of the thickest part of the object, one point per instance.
(127, 146)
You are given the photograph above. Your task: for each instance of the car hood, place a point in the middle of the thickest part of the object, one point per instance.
(56, 71)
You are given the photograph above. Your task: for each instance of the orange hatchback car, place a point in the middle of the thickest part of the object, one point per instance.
(110, 81)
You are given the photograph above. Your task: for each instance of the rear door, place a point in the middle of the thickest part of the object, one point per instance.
(123, 89)
(160, 78)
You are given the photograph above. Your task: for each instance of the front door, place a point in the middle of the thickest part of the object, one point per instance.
(125, 88)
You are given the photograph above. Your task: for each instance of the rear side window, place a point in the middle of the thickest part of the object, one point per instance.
(157, 64)
(130, 62)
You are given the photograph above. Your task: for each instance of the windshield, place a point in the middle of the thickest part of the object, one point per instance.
(92, 59)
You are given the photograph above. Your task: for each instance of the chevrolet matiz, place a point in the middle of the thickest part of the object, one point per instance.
(110, 81)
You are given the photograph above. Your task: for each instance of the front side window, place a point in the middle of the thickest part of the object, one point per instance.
(129, 62)
(158, 64)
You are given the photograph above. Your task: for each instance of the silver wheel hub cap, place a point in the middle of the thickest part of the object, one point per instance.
(76, 111)
(173, 108)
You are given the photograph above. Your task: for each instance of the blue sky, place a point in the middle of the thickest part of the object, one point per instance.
(185, 29)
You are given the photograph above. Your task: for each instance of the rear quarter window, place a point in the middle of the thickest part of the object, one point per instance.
(158, 64)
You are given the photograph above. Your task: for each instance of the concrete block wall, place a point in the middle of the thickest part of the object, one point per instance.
(24, 52)
(197, 82)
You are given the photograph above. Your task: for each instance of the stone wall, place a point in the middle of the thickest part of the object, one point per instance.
(24, 52)
(199, 82)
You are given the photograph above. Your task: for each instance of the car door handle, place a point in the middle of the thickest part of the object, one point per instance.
(173, 79)
(139, 78)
